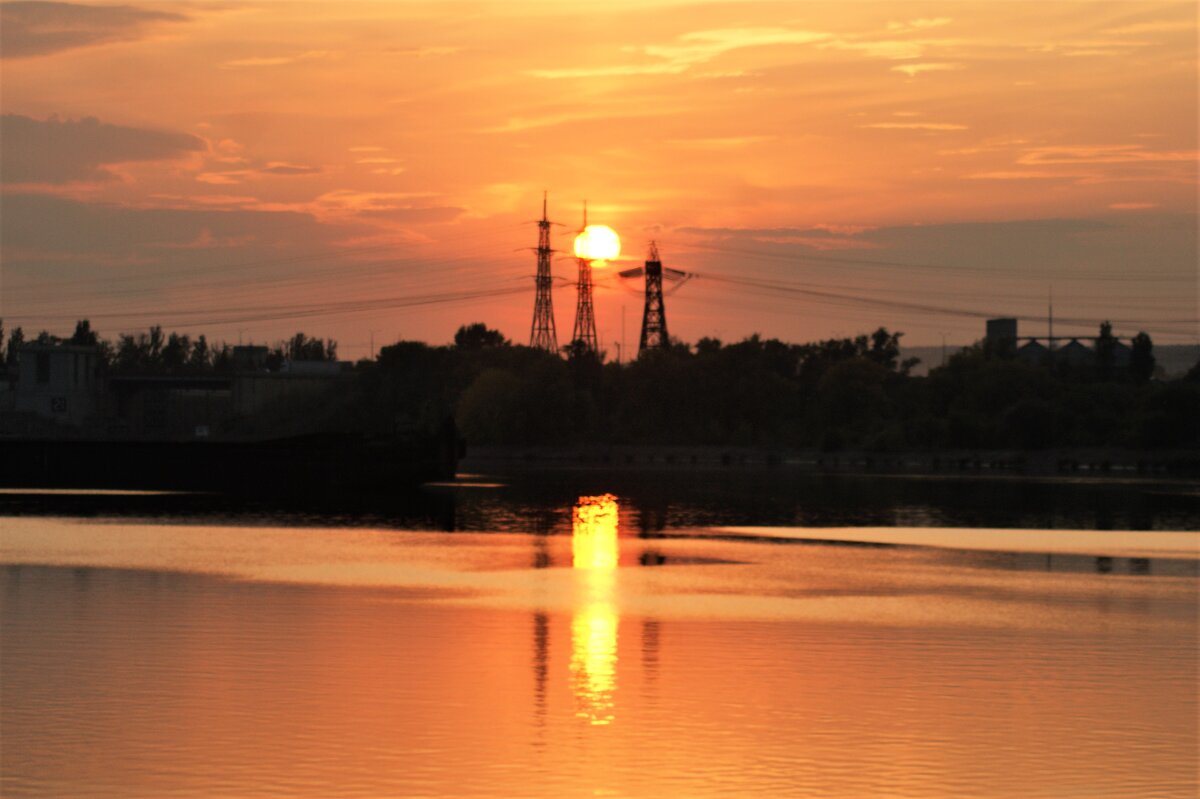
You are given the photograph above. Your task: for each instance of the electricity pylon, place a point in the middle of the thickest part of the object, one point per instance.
(542, 335)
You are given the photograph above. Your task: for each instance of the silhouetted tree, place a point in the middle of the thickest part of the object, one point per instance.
(478, 336)
(201, 357)
(176, 353)
(302, 348)
(15, 339)
(1106, 352)
(1141, 358)
(84, 336)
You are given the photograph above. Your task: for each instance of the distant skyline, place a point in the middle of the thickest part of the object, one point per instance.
(364, 169)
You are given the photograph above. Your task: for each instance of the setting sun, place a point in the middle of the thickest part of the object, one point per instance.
(597, 243)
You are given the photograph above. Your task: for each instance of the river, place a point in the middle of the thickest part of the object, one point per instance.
(589, 633)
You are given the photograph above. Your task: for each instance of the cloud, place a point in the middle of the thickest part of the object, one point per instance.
(919, 24)
(701, 46)
(1161, 26)
(53, 225)
(690, 49)
(274, 61)
(912, 70)
(424, 52)
(915, 126)
(519, 124)
(284, 168)
(415, 214)
(609, 72)
(30, 29)
(723, 143)
(1131, 206)
(1023, 174)
(61, 151)
(1102, 154)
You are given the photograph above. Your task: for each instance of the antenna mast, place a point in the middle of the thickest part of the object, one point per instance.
(542, 334)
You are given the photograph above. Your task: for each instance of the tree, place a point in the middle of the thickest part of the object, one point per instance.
(302, 348)
(177, 352)
(478, 336)
(84, 336)
(1106, 352)
(201, 357)
(1141, 358)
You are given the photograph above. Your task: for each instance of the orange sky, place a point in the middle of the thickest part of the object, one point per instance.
(253, 169)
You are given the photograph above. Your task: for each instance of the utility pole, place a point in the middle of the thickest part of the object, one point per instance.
(622, 349)
(1050, 321)
(542, 334)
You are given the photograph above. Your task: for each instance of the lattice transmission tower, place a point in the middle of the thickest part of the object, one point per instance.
(654, 315)
(585, 316)
(542, 335)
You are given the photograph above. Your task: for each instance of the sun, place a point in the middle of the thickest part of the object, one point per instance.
(597, 243)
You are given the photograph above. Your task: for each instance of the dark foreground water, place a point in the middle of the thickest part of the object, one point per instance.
(585, 634)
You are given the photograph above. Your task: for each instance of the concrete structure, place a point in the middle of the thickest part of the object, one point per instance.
(57, 382)
(1002, 330)
(1075, 354)
(1034, 353)
(56, 387)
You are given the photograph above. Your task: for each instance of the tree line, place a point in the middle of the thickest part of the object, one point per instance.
(157, 353)
(836, 394)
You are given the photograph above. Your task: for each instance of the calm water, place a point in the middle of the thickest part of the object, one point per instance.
(704, 637)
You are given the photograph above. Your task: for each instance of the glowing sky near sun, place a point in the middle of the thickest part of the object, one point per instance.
(253, 169)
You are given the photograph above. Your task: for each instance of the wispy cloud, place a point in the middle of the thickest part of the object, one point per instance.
(919, 24)
(1023, 174)
(275, 61)
(519, 124)
(912, 70)
(426, 51)
(1158, 26)
(1089, 47)
(230, 177)
(1132, 206)
(915, 126)
(1103, 154)
(284, 168)
(619, 70)
(723, 143)
(691, 49)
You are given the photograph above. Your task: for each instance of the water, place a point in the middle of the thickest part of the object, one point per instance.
(679, 639)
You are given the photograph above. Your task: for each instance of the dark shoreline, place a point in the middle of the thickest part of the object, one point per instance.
(1098, 462)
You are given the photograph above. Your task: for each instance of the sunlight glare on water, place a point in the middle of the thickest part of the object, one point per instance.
(594, 627)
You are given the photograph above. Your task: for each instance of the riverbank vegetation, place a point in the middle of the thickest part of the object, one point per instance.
(837, 394)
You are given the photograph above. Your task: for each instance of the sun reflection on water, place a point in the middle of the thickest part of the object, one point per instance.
(594, 627)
